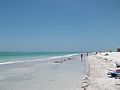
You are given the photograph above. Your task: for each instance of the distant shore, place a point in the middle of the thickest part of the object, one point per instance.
(96, 77)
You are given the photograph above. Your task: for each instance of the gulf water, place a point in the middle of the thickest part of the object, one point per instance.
(28, 56)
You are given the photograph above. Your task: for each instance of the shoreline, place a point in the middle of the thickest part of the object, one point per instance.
(55, 74)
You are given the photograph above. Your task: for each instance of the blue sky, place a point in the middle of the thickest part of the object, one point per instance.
(59, 25)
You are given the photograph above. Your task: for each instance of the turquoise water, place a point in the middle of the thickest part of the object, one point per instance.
(21, 56)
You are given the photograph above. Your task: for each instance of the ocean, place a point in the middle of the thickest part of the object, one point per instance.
(12, 57)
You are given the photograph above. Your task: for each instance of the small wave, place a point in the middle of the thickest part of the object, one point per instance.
(9, 62)
(39, 59)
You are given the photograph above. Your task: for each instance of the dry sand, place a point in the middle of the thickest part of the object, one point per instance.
(97, 78)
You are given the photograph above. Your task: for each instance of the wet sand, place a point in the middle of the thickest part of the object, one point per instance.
(65, 74)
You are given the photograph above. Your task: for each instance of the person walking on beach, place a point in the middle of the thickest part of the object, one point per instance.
(87, 54)
(96, 53)
(81, 56)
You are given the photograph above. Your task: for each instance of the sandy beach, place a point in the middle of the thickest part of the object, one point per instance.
(55, 74)
(63, 73)
(97, 79)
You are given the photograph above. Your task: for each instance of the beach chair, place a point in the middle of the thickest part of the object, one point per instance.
(114, 73)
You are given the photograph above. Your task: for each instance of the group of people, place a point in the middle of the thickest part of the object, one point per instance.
(82, 55)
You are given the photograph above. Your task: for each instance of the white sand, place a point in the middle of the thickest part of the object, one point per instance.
(42, 75)
(99, 64)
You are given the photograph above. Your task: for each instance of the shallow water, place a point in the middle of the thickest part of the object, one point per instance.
(39, 75)
(23, 56)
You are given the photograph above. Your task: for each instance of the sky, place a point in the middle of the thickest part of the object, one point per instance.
(59, 25)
